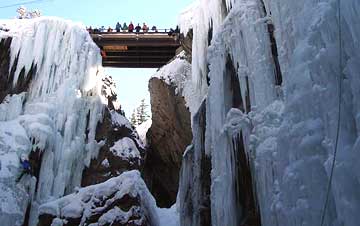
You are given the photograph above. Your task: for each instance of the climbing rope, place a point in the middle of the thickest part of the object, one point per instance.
(338, 122)
(22, 3)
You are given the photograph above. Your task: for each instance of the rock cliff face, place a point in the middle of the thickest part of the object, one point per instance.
(168, 137)
(114, 129)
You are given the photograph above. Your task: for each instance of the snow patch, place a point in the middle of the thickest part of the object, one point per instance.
(125, 148)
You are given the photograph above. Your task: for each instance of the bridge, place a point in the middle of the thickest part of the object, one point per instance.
(137, 50)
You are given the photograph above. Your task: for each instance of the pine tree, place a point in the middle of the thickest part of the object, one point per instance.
(141, 112)
(133, 118)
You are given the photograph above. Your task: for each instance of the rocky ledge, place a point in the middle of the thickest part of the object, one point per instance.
(121, 201)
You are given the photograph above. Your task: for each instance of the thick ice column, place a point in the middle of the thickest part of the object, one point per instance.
(194, 187)
(241, 75)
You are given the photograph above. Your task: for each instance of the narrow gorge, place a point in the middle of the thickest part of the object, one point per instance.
(255, 121)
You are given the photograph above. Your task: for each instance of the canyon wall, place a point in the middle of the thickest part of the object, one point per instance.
(275, 75)
(170, 132)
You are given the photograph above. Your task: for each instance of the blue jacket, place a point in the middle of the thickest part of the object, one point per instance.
(26, 165)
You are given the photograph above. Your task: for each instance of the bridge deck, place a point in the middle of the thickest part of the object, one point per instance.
(137, 50)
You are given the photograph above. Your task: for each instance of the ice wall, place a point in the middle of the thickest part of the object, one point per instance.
(56, 117)
(288, 129)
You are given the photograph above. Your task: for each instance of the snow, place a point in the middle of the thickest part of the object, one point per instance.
(178, 74)
(142, 129)
(82, 202)
(125, 148)
(169, 216)
(105, 163)
(119, 120)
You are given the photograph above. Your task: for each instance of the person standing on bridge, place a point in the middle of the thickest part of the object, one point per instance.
(118, 27)
(131, 27)
(138, 28)
(145, 28)
(154, 29)
(90, 30)
(125, 27)
(177, 30)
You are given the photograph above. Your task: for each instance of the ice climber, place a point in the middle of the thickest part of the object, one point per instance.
(26, 167)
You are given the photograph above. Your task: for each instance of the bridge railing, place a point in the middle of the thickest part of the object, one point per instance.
(158, 31)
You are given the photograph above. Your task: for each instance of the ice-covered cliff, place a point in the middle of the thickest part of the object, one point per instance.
(264, 138)
(60, 110)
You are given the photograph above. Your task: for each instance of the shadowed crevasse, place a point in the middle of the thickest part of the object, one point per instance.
(168, 138)
(7, 75)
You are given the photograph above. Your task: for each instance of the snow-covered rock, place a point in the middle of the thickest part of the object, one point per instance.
(122, 149)
(123, 200)
(177, 74)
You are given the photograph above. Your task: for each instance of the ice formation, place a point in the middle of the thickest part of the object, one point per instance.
(55, 118)
(286, 84)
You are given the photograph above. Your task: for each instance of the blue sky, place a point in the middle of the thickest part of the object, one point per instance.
(132, 84)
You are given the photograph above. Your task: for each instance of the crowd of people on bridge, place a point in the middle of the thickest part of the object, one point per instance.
(131, 28)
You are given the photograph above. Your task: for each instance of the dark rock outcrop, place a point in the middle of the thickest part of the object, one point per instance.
(113, 128)
(186, 44)
(7, 75)
(167, 139)
(195, 177)
(108, 164)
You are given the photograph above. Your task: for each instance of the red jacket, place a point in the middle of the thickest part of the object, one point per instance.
(131, 26)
